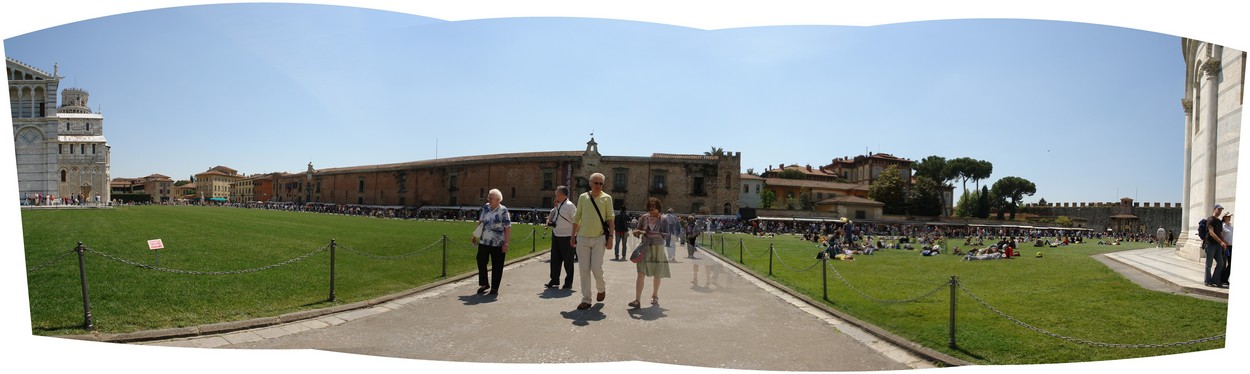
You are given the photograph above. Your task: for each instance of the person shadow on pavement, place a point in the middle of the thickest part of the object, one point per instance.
(584, 317)
(651, 313)
(555, 293)
(478, 299)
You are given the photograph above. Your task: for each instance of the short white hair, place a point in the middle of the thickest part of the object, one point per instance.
(494, 192)
(600, 176)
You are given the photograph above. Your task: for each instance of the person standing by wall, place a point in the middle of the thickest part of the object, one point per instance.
(592, 235)
(1228, 252)
(561, 221)
(1214, 246)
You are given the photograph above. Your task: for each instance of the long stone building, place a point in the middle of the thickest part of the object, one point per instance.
(60, 150)
(684, 182)
(1214, 88)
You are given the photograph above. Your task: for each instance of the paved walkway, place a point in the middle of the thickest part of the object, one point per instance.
(722, 318)
(1163, 270)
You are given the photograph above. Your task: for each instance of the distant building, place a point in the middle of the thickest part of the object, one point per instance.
(1214, 89)
(157, 188)
(752, 186)
(60, 152)
(215, 184)
(685, 182)
(866, 168)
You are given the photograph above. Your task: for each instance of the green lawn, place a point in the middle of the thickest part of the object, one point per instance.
(1066, 292)
(398, 255)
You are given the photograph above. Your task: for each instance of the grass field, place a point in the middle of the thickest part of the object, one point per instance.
(397, 255)
(1066, 292)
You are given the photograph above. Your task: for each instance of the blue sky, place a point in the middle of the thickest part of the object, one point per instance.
(1087, 112)
(377, 87)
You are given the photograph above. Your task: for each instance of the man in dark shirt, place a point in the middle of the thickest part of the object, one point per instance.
(1214, 246)
(622, 229)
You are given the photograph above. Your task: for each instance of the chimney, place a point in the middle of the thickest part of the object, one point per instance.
(809, 167)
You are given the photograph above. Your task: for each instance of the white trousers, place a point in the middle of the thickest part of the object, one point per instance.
(590, 252)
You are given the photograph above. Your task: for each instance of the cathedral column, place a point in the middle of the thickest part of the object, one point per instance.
(1183, 235)
(1211, 70)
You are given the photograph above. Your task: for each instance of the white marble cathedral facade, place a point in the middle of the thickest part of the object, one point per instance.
(1214, 89)
(61, 150)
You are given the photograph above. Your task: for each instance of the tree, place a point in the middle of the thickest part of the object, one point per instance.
(767, 198)
(983, 203)
(181, 183)
(789, 201)
(890, 189)
(925, 197)
(1012, 190)
(1064, 221)
(934, 167)
(962, 168)
(982, 170)
(716, 151)
(751, 171)
(1041, 202)
(940, 171)
(967, 206)
(805, 199)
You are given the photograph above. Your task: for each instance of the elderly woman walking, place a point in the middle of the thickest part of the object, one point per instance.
(496, 232)
(653, 231)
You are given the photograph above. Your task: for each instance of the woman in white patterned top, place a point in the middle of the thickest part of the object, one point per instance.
(496, 232)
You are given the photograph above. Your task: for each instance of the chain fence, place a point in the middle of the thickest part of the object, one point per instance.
(49, 263)
(391, 257)
(751, 255)
(1083, 341)
(193, 272)
(787, 266)
(883, 301)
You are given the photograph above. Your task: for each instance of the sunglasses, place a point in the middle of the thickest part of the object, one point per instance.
(597, 183)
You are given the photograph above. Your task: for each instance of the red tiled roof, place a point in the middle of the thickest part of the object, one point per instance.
(856, 200)
(814, 184)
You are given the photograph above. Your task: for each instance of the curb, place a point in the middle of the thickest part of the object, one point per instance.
(917, 349)
(1169, 282)
(231, 326)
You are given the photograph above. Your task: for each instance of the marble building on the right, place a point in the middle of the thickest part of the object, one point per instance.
(1214, 90)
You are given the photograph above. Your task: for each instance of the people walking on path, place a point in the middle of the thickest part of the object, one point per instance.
(561, 221)
(652, 231)
(496, 232)
(592, 236)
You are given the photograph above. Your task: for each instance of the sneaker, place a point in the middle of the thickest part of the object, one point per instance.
(567, 287)
(482, 289)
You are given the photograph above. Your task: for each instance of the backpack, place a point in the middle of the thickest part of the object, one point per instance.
(1202, 230)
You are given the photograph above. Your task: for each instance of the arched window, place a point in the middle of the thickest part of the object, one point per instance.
(62, 175)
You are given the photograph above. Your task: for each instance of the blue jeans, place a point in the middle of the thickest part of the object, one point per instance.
(618, 248)
(1214, 253)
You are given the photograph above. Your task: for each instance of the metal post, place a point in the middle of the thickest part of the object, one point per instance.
(533, 240)
(333, 245)
(740, 256)
(951, 340)
(86, 298)
(444, 275)
(824, 275)
(722, 242)
(770, 259)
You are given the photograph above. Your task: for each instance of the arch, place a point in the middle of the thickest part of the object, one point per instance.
(728, 208)
(28, 136)
(62, 175)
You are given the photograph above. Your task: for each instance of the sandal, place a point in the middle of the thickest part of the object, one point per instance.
(634, 304)
(655, 300)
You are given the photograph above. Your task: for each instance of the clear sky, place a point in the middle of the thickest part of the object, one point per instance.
(1082, 110)
(1087, 112)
